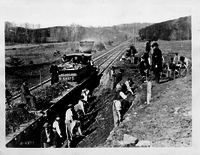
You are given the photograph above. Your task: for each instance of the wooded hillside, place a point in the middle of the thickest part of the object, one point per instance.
(177, 29)
(26, 34)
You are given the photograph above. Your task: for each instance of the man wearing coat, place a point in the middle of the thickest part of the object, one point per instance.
(26, 95)
(47, 136)
(54, 73)
(157, 61)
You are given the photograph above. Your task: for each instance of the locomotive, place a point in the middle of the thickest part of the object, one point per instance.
(77, 66)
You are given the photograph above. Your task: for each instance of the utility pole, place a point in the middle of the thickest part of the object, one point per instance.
(134, 37)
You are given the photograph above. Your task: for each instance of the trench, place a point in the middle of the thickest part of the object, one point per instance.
(104, 123)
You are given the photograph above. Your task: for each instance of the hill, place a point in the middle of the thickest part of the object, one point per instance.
(14, 34)
(177, 29)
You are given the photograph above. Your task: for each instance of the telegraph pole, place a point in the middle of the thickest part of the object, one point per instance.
(133, 36)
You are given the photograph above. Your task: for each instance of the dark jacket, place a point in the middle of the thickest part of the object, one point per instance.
(43, 138)
(24, 92)
(118, 77)
(54, 73)
(143, 67)
(157, 59)
(148, 46)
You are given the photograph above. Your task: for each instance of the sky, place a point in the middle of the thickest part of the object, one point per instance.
(95, 13)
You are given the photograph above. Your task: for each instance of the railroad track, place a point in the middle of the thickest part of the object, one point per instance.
(96, 61)
(116, 52)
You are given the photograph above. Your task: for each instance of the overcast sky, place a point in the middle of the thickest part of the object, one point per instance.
(94, 12)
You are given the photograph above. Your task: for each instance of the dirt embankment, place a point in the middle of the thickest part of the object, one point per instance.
(166, 122)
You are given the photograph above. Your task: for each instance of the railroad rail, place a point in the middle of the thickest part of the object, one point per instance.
(96, 59)
(58, 102)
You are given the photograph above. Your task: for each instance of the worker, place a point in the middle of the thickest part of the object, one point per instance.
(9, 99)
(47, 136)
(27, 96)
(176, 59)
(183, 67)
(122, 97)
(133, 50)
(113, 77)
(80, 105)
(119, 76)
(144, 68)
(54, 73)
(85, 93)
(148, 51)
(127, 86)
(117, 107)
(171, 69)
(64, 58)
(148, 46)
(68, 121)
(57, 131)
(157, 61)
(76, 128)
(83, 59)
(79, 109)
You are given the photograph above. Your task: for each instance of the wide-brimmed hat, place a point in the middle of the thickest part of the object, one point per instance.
(70, 105)
(57, 117)
(154, 44)
(46, 125)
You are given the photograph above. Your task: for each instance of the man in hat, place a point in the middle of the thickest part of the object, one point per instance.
(120, 103)
(26, 95)
(47, 136)
(157, 61)
(68, 121)
(54, 73)
(57, 131)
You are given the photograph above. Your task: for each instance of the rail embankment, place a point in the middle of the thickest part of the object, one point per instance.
(166, 122)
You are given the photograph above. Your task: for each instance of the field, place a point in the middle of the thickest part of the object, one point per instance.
(42, 58)
(37, 61)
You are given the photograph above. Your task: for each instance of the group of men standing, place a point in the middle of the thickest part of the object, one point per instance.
(151, 60)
